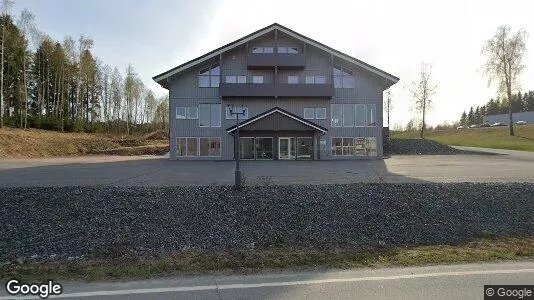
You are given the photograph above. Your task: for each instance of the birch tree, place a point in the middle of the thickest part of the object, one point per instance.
(504, 53)
(422, 92)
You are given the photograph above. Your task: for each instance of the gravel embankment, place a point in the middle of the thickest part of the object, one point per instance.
(92, 221)
(421, 147)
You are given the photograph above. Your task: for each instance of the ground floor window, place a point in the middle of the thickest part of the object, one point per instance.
(198, 146)
(256, 148)
(359, 146)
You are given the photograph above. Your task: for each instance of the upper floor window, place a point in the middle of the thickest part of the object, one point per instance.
(257, 79)
(186, 112)
(236, 79)
(292, 79)
(262, 50)
(209, 77)
(291, 50)
(318, 113)
(209, 115)
(315, 80)
(350, 115)
(343, 78)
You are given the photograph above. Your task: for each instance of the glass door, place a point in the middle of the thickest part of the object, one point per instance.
(286, 148)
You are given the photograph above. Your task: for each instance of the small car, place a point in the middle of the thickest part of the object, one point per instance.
(497, 124)
(521, 122)
(474, 126)
(461, 127)
(485, 125)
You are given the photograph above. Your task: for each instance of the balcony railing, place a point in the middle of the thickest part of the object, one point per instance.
(281, 60)
(276, 90)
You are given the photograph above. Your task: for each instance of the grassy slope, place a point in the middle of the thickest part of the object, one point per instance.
(127, 266)
(43, 143)
(489, 137)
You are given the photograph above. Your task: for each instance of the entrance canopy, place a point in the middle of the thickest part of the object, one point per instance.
(277, 119)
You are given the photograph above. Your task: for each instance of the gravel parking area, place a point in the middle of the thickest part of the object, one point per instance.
(94, 221)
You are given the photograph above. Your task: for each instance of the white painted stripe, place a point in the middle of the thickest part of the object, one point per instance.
(276, 284)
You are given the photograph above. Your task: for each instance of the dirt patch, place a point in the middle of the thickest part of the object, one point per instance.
(19, 143)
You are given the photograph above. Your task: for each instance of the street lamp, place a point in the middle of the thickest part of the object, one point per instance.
(237, 110)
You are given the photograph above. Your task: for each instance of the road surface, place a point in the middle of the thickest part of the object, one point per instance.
(432, 282)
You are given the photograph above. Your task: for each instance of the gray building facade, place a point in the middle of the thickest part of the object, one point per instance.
(527, 116)
(302, 100)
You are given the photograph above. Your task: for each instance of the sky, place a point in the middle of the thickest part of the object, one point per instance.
(395, 36)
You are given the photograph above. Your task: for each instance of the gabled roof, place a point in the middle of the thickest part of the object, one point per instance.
(280, 111)
(159, 78)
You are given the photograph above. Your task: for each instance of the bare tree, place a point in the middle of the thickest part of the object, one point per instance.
(388, 107)
(504, 62)
(422, 92)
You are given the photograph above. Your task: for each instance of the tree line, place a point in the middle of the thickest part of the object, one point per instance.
(520, 103)
(62, 85)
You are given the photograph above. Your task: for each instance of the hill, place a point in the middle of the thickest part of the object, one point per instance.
(485, 137)
(42, 143)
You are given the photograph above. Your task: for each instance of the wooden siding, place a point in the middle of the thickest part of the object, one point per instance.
(184, 91)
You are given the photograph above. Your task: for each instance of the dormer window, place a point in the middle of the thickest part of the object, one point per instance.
(262, 50)
(290, 50)
(209, 77)
(343, 77)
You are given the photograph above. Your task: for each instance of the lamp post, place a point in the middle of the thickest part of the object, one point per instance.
(237, 111)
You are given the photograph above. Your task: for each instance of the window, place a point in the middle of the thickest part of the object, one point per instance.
(236, 79)
(370, 146)
(192, 112)
(292, 79)
(348, 115)
(315, 80)
(180, 147)
(336, 112)
(291, 50)
(229, 116)
(359, 146)
(210, 146)
(309, 113)
(181, 112)
(371, 115)
(257, 79)
(320, 113)
(343, 78)
(192, 147)
(348, 146)
(337, 146)
(360, 115)
(187, 112)
(209, 77)
(262, 50)
(204, 146)
(210, 115)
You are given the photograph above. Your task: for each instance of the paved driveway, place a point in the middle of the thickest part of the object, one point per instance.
(149, 171)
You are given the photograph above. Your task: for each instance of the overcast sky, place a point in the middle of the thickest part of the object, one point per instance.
(395, 36)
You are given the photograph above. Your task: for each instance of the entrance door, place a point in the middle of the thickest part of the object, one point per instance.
(286, 148)
(304, 148)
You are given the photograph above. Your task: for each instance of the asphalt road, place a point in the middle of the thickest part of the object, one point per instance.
(497, 166)
(433, 282)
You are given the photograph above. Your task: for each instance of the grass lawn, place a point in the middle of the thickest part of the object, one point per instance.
(487, 137)
(129, 266)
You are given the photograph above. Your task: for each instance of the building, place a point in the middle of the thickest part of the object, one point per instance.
(527, 116)
(301, 99)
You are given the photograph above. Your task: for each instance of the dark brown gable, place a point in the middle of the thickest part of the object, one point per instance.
(277, 122)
